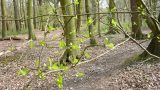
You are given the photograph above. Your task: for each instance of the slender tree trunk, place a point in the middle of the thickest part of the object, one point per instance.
(90, 26)
(41, 12)
(136, 21)
(30, 21)
(16, 15)
(3, 12)
(69, 32)
(94, 10)
(34, 14)
(99, 27)
(24, 13)
(112, 17)
(79, 18)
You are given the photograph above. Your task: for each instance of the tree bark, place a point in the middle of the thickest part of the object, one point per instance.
(69, 32)
(154, 46)
(112, 17)
(16, 15)
(30, 21)
(90, 26)
(3, 18)
(136, 21)
(41, 12)
(99, 26)
(79, 18)
(34, 14)
(94, 10)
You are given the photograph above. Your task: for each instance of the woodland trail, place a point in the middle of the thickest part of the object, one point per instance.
(96, 73)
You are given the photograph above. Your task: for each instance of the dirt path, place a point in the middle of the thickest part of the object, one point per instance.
(96, 73)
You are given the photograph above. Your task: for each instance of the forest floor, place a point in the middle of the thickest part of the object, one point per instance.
(108, 72)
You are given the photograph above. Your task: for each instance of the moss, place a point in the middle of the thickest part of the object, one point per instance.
(137, 58)
(132, 60)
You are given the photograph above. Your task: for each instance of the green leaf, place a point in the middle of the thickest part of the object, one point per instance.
(37, 63)
(51, 28)
(149, 35)
(52, 66)
(106, 41)
(87, 55)
(81, 40)
(56, 52)
(59, 81)
(62, 44)
(65, 68)
(76, 2)
(114, 23)
(23, 71)
(75, 61)
(80, 74)
(110, 45)
(31, 44)
(44, 65)
(113, 9)
(89, 21)
(75, 47)
(42, 43)
(41, 74)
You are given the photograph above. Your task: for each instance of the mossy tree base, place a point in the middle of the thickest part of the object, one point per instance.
(153, 48)
(139, 36)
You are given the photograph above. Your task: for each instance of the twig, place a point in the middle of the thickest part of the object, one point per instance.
(93, 59)
(121, 28)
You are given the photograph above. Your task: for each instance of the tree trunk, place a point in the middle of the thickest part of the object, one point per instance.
(154, 46)
(90, 26)
(34, 14)
(112, 17)
(79, 18)
(16, 15)
(3, 12)
(69, 32)
(99, 27)
(41, 12)
(30, 21)
(94, 10)
(24, 13)
(136, 21)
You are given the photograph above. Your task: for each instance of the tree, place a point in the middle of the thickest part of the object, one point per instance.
(89, 22)
(69, 32)
(79, 18)
(154, 46)
(16, 15)
(99, 30)
(94, 10)
(112, 17)
(3, 18)
(30, 21)
(136, 21)
(41, 12)
(34, 14)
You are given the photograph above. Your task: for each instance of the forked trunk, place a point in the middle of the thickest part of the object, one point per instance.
(154, 46)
